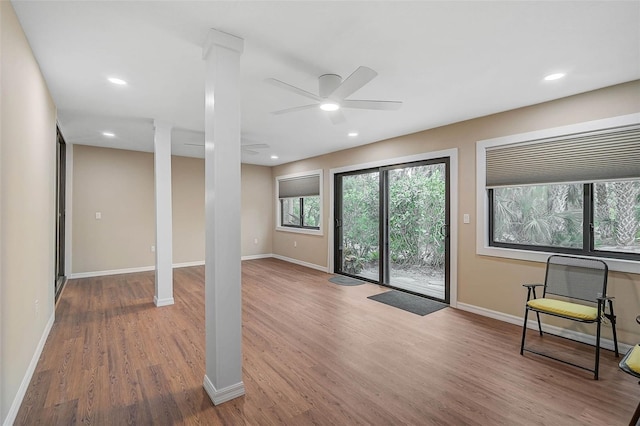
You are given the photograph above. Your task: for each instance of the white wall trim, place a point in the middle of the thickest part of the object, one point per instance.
(551, 329)
(482, 204)
(300, 262)
(320, 174)
(452, 154)
(188, 264)
(111, 272)
(91, 274)
(223, 395)
(257, 256)
(22, 390)
(163, 302)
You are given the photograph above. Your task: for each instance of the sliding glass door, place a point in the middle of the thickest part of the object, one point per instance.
(392, 226)
(358, 237)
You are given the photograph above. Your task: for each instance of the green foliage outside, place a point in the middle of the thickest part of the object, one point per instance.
(552, 215)
(291, 211)
(416, 218)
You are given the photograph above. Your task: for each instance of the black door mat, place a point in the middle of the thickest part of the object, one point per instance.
(342, 280)
(408, 302)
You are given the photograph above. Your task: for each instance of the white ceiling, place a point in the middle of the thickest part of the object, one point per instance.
(448, 62)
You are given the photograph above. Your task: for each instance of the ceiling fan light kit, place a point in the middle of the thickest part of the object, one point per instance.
(332, 94)
(329, 106)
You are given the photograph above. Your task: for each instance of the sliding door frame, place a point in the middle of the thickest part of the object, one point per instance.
(452, 155)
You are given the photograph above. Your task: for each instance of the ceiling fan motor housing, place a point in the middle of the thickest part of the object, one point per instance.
(327, 84)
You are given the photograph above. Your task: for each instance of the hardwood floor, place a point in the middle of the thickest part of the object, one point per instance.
(314, 353)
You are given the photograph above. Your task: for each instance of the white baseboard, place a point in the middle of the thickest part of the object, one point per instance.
(188, 264)
(22, 390)
(92, 274)
(110, 272)
(300, 262)
(225, 394)
(163, 302)
(257, 256)
(551, 329)
(130, 270)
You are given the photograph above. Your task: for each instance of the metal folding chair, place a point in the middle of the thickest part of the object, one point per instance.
(584, 282)
(630, 364)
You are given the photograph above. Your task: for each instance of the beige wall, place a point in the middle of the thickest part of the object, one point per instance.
(27, 179)
(486, 282)
(119, 185)
(257, 210)
(187, 192)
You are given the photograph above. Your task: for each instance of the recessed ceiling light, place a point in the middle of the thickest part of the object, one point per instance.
(353, 134)
(274, 157)
(329, 106)
(118, 81)
(108, 134)
(555, 76)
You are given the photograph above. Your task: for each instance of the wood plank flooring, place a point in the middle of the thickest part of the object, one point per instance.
(314, 353)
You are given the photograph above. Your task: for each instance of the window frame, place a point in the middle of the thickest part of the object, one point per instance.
(617, 261)
(279, 205)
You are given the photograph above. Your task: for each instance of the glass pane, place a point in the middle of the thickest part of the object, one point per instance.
(311, 214)
(416, 229)
(617, 216)
(360, 225)
(290, 214)
(542, 215)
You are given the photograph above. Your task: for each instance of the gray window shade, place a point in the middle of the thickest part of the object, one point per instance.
(611, 154)
(305, 186)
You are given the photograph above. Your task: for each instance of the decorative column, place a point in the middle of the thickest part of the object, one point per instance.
(223, 302)
(164, 225)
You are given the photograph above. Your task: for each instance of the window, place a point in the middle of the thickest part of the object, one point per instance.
(541, 215)
(301, 212)
(552, 217)
(299, 202)
(573, 190)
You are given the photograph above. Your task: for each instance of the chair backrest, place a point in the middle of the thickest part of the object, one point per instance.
(576, 277)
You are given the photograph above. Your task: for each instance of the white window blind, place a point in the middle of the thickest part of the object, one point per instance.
(305, 186)
(611, 154)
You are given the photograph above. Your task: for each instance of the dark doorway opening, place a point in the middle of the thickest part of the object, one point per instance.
(61, 173)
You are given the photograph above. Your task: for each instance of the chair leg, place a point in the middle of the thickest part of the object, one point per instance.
(539, 325)
(612, 318)
(636, 416)
(524, 330)
(595, 377)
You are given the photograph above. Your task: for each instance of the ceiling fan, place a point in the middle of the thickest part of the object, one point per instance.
(333, 92)
(249, 148)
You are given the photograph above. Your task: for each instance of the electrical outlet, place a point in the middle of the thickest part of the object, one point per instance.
(465, 218)
(255, 241)
(295, 244)
(98, 215)
(153, 249)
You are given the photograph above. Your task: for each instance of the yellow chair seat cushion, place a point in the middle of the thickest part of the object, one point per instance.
(567, 309)
(633, 360)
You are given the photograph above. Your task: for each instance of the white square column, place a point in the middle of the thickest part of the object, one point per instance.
(164, 224)
(223, 301)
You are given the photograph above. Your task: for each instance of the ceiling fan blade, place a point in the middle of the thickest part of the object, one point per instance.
(195, 144)
(254, 146)
(250, 152)
(337, 117)
(379, 105)
(283, 85)
(355, 81)
(294, 109)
